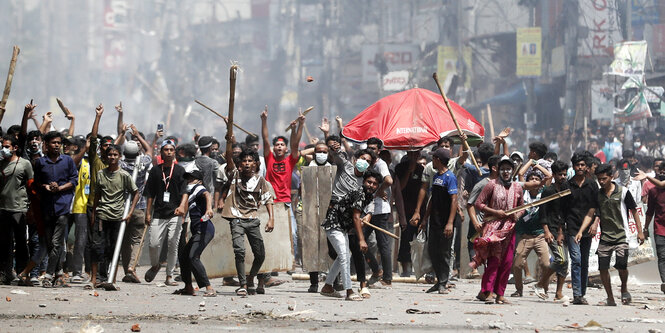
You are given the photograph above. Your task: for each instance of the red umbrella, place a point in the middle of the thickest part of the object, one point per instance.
(411, 119)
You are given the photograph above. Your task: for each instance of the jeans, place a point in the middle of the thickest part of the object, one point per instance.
(13, 231)
(190, 256)
(439, 247)
(37, 247)
(579, 263)
(384, 243)
(55, 228)
(340, 242)
(660, 253)
(251, 228)
(103, 235)
(161, 230)
(81, 241)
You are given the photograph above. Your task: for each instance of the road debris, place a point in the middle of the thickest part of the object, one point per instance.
(18, 292)
(136, 328)
(8, 299)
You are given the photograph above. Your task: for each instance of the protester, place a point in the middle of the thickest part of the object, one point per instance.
(343, 214)
(496, 245)
(551, 217)
(17, 176)
(441, 211)
(615, 202)
(656, 213)
(113, 186)
(409, 173)
(583, 201)
(202, 229)
(56, 176)
(247, 192)
(166, 192)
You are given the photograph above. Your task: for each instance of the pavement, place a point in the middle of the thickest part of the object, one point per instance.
(290, 307)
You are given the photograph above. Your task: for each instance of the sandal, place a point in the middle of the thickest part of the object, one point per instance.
(47, 283)
(364, 292)
(333, 294)
(354, 297)
(502, 301)
(241, 292)
(211, 293)
(24, 281)
(607, 303)
(171, 283)
(516, 294)
(251, 291)
(626, 298)
(150, 274)
(183, 291)
(272, 282)
(260, 290)
(131, 277)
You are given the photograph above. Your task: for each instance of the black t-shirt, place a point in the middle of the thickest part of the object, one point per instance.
(576, 205)
(155, 187)
(197, 206)
(550, 212)
(412, 188)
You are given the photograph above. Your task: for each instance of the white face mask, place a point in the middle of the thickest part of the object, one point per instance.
(190, 187)
(321, 158)
(5, 153)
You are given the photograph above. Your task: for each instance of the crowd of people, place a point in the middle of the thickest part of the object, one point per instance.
(167, 191)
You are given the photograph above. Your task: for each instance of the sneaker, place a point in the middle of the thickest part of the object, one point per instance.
(338, 286)
(386, 284)
(580, 300)
(76, 279)
(34, 280)
(373, 279)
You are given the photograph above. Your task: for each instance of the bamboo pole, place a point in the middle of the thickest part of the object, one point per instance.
(8, 83)
(381, 230)
(459, 130)
(489, 118)
(304, 114)
(232, 97)
(64, 109)
(532, 204)
(225, 119)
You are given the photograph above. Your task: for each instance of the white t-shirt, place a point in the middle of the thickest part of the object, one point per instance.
(382, 206)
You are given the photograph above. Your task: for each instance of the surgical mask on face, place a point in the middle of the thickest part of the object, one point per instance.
(321, 158)
(362, 165)
(5, 153)
(637, 144)
(190, 187)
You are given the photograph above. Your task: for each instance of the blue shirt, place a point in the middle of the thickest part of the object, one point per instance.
(62, 171)
(444, 186)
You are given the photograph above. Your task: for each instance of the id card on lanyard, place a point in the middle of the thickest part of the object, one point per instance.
(167, 195)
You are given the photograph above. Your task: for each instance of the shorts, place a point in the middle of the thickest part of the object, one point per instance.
(559, 260)
(605, 254)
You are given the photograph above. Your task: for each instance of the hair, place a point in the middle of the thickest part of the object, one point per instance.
(493, 161)
(534, 172)
(333, 138)
(559, 166)
(236, 145)
(112, 147)
(628, 153)
(188, 149)
(141, 134)
(539, 148)
(444, 160)
(14, 129)
(581, 156)
(604, 169)
(215, 142)
(11, 138)
(594, 160)
(551, 155)
(657, 160)
(375, 141)
(249, 139)
(444, 139)
(485, 151)
(361, 152)
(281, 137)
(594, 140)
(372, 173)
(249, 152)
(52, 135)
(34, 134)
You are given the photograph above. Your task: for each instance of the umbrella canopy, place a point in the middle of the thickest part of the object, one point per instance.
(411, 119)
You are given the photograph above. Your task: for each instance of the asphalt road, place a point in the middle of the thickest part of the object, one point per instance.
(290, 307)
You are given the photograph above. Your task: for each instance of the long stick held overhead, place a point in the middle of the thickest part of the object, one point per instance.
(232, 97)
(8, 83)
(304, 114)
(459, 130)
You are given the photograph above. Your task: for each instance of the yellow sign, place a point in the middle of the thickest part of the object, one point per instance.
(446, 61)
(528, 52)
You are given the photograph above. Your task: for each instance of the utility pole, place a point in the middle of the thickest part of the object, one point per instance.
(570, 37)
(530, 116)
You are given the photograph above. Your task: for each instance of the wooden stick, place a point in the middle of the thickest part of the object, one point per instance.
(63, 108)
(489, 118)
(225, 119)
(232, 97)
(8, 83)
(459, 130)
(482, 119)
(533, 204)
(586, 139)
(381, 230)
(309, 136)
(304, 114)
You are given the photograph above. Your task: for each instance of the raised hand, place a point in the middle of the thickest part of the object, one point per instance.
(119, 107)
(69, 115)
(48, 117)
(29, 108)
(325, 125)
(99, 110)
(264, 114)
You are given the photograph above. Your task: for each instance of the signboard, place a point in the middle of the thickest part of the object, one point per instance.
(528, 52)
(636, 109)
(600, 19)
(558, 63)
(446, 61)
(602, 101)
(396, 57)
(395, 81)
(116, 17)
(629, 59)
(658, 40)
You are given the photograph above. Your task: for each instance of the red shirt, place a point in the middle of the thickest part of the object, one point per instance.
(278, 173)
(601, 156)
(656, 206)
